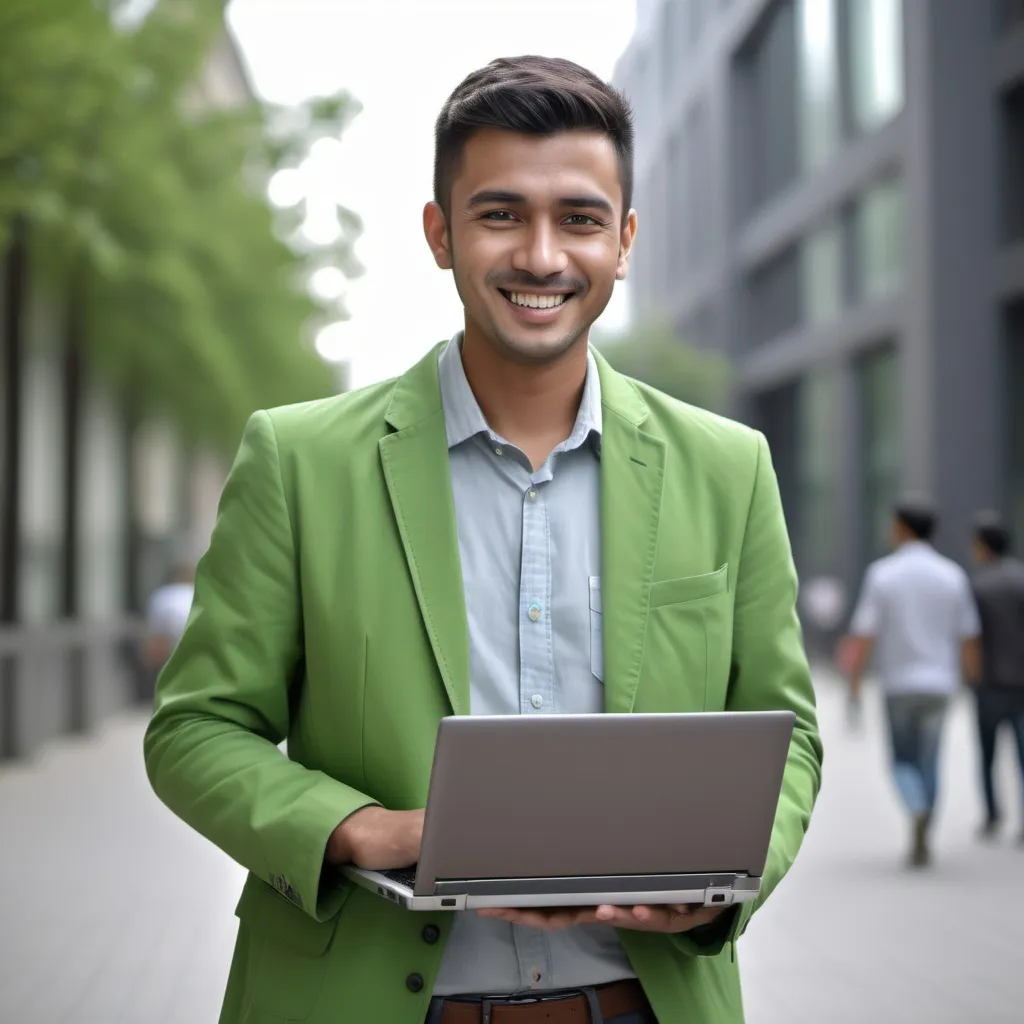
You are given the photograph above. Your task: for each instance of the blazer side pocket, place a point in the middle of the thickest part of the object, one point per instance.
(287, 952)
(690, 588)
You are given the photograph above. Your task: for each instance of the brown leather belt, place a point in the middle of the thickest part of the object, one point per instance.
(615, 1000)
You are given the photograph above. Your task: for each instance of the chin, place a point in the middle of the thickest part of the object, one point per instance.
(537, 350)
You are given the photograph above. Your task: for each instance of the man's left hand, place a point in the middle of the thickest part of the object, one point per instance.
(671, 918)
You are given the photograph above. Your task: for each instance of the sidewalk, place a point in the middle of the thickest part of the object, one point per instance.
(113, 912)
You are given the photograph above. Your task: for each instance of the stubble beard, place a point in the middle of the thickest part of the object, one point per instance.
(515, 350)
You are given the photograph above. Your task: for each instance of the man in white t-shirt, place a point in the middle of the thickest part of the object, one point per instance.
(166, 616)
(917, 615)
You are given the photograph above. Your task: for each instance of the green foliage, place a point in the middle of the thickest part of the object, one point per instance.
(145, 210)
(651, 353)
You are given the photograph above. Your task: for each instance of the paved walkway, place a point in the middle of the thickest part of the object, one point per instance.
(112, 912)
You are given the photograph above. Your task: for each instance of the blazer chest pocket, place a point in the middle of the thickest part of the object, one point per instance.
(690, 588)
(689, 642)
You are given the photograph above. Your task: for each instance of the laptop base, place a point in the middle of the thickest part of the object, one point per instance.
(709, 890)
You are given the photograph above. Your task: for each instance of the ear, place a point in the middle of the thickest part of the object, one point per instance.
(435, 228)
(626, 246)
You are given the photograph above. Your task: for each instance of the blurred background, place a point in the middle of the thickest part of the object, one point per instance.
(207, 209)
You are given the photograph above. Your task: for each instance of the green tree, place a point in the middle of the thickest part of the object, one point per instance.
(147, 213)
(652, 353)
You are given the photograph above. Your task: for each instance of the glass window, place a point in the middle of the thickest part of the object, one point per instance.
(817, 409)
(818, 73)
(879, 226)
(881, 443)
(876, 61)
(821, 274)
(769, 133)
(1012, 106)
(773, 297)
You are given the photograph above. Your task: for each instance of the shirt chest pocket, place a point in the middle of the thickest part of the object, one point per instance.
(596, 630)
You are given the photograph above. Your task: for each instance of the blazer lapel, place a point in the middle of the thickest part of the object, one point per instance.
(418, 475)
(632, 474)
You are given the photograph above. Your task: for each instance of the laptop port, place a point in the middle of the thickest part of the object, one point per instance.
(380, 890)
(718, 897)
(449, 903)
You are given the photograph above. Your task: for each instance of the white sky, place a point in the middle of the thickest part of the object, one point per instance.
(402, 58)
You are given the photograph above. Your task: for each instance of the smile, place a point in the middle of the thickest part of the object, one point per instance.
(530, 300)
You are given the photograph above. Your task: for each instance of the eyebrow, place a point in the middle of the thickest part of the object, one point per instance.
(490, 196)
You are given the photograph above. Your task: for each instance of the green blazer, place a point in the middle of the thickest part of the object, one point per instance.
(329, 611)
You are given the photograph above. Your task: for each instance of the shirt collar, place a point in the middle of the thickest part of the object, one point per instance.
(464, 419)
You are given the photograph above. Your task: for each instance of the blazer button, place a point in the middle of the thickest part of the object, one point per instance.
(414, 983)
(431, 934)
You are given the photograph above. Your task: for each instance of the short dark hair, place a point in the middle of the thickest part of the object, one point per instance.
(532, 96)
(991, 531)
(918, 514)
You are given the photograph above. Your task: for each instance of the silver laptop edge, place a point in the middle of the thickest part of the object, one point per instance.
(708, 890)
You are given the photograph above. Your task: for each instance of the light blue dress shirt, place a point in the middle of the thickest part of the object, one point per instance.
(530, 545)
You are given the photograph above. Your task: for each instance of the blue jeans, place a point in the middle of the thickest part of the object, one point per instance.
(915, 728)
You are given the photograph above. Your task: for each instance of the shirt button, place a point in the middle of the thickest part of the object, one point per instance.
(538, 702)
(534, 612)
(497, 451)
(414, 983)
(532, 495)
(431, 934)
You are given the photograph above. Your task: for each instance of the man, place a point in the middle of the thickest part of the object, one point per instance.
(999, 592)
(166, 616)
(916, 614)
(513, 528)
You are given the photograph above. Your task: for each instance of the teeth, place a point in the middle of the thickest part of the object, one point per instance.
(537, 301)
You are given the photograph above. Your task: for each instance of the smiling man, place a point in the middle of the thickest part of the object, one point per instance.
(509, 528)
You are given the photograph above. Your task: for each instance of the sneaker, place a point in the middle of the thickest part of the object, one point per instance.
(920, 856)
(989, 830)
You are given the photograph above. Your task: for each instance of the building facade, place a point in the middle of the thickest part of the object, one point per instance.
(832, 193)
(94, 509)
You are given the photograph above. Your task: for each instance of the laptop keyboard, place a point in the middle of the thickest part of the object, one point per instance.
(403, 876)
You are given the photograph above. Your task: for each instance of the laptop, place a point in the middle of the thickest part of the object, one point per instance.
(581, 810)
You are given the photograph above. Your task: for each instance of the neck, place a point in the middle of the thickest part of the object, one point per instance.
(533, 405)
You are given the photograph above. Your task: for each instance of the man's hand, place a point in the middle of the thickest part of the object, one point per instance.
(670, 919)
(377, 839)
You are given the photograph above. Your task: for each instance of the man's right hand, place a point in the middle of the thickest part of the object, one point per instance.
(377, 839)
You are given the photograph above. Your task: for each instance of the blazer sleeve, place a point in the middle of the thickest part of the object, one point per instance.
(770, 672)
(223, 699)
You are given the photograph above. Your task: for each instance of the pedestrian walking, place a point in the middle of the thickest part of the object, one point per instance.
(916, 616)
(166, 615)
(511, 527)
(999, 591)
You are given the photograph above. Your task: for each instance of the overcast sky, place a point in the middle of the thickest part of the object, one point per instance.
(401, 58)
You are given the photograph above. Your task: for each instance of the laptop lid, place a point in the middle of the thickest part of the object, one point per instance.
(552, 796)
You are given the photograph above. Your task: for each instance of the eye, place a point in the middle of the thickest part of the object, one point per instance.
(502, 216)
(582, 220)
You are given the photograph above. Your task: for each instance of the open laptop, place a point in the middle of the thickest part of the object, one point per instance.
(580, 810)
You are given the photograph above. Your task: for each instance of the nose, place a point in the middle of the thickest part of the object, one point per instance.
(540, 253)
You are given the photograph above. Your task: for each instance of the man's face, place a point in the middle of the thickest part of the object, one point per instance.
(535, 238)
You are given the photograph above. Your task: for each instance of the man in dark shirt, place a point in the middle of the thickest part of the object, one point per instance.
(999, 592)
